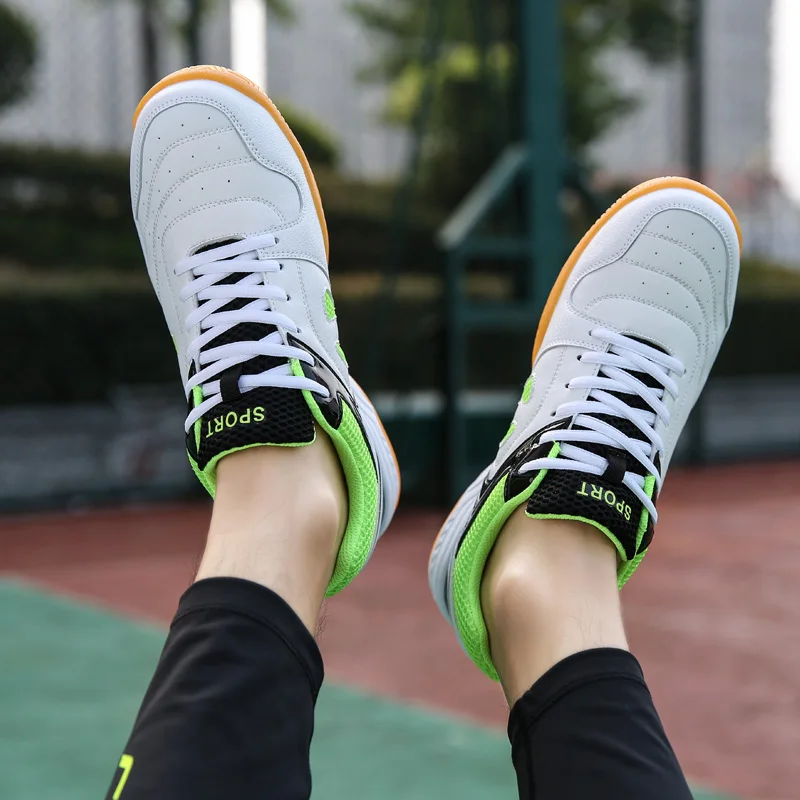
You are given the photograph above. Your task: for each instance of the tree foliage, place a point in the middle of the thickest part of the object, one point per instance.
(473, 72)
(17, 55)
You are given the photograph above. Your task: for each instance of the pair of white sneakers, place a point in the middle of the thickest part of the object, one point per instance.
(232, 228)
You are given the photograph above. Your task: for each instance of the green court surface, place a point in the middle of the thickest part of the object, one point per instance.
(72, 676)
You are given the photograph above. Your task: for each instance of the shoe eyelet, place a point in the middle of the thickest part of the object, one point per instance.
(277, 240)
(288, 298)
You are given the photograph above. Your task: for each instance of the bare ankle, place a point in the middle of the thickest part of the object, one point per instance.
(549, 591)
(279, 516)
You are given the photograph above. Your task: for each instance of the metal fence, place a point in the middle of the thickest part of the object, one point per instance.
(96, 58)
(704, 104)
(91, 69)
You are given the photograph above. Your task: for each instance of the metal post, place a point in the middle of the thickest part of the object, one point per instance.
(404, 200)
(497, 135)
(265, 85)
(455, 333)
(249, 40)
(149, 43)
(695, 86)
(116, 130)
(194, 17)
(695, 163)
(543, 127)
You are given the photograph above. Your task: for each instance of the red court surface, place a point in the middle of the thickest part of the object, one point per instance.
(713, 613)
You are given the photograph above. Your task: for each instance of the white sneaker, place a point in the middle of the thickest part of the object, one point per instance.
(232, 228)
(624, 347)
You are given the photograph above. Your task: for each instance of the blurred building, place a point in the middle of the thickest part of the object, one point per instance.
(316, 64)
(738, 76)
(89, 73)
(737, 68)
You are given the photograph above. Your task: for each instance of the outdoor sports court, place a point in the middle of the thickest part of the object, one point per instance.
(460, 152)
(85, 599)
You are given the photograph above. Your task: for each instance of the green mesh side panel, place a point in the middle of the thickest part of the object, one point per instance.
(341, 352)
(362, 488)
(626, 569)
(330, 308)
(527, 389)
(200, 476)
(508, 432)
(470, 564)
(649, 488)
(197, 398)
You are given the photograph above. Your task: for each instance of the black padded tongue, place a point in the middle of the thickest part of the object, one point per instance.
(605, 502)
(266, 415)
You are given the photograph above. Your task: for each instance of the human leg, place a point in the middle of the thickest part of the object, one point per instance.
(624, 346)
(303, 475)
(582, 723)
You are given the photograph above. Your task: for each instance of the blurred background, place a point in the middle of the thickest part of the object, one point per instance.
(461, 149)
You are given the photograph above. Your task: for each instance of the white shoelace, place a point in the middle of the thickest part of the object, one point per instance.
(207, 269)
(625, 355)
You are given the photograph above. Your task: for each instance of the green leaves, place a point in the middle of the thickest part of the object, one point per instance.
(656, 29)
(473, 73)
(282, 9)
(17, 55)
(318, 143)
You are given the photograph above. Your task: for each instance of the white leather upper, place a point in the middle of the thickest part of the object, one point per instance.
(664, 268)
(210, 164)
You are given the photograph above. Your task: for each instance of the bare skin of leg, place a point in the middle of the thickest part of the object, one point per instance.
(279, 517)
(549, 591)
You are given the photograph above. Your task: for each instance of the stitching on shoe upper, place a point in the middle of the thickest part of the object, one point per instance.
(184, 140)
(620, 253)
(298, 178)
(199, 171)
